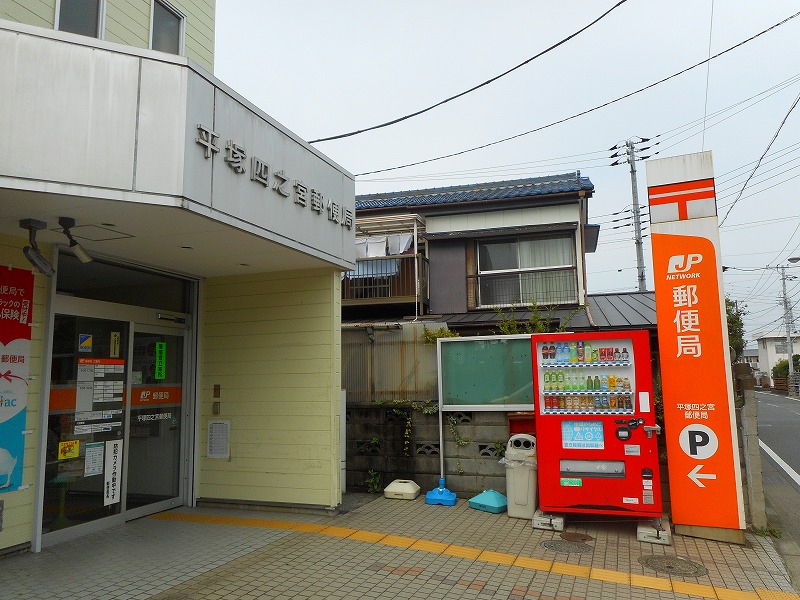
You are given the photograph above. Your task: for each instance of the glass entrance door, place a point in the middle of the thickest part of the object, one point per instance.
(86, 421)
(116, 448)
(154, 466)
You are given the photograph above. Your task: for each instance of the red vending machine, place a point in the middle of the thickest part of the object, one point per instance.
(596, 432)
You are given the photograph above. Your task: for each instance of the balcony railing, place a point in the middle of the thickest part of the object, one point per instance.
(544, 287)
(388, 279)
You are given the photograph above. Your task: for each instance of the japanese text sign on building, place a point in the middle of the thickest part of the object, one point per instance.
(16, 305)
(236, 157)
(161, 361)
(699, 418)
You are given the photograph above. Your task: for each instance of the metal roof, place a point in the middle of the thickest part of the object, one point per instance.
(477, 192)
(625, 310)
(629, 310)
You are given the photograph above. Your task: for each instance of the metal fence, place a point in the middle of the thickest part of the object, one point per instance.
(556, 286)
(387, 365)
(386, 277)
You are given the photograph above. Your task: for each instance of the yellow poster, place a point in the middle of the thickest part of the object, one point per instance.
(68, 449)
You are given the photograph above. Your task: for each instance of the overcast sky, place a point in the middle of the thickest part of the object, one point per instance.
(323, 68)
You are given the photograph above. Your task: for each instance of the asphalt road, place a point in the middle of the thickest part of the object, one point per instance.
(779, 437)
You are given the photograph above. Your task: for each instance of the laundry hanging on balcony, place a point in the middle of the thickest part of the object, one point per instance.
(386, 267)
(399, 243)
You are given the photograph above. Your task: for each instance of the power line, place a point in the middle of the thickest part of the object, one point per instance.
(763, 172)
(786, 150)
(762, 222)
(472, 89)
(708, 72)
(761, 190)
(753, 172)
(722, 120)
(507, 169)
(696, 122)
(585, 112)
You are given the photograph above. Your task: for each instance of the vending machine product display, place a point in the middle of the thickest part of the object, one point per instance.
(595, 423)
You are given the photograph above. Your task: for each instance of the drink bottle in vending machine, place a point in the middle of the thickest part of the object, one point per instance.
(597, 437)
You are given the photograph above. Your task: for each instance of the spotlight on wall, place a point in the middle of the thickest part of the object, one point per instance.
(32, 252)
(68, 223)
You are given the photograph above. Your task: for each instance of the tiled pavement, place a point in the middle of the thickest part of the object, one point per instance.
(382, 549)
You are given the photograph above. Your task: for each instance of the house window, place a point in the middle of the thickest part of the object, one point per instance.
(529, 269)
(80, 16)
(167, 28)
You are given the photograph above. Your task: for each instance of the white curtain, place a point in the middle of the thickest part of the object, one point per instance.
(550, 287)
(538, 253)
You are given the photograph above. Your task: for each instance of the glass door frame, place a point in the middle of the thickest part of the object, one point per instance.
(186, 441)
(138, 319)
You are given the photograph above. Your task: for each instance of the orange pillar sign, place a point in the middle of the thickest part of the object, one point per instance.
(699, 418)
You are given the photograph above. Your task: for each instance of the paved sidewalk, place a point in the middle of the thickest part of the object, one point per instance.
(387, 549)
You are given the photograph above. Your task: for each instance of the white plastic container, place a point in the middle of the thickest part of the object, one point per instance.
(401, 489)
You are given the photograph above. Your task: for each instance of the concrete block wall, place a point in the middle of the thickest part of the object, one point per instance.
(472, 444)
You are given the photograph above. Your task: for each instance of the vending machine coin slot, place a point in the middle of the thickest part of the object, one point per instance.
(603, 469)
(634, 423)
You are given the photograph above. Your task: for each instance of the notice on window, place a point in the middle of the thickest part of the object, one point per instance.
(99, 380)
(68, 449)
(219, 439)
(161, 361)
(113, 469)
(93, 464)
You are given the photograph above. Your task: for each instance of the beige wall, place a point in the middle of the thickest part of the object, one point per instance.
(272, 342)
(518, 217)
(32, 12)
(18, 513)
(128, 22)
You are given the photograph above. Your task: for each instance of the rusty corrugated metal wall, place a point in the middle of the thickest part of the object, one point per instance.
(388, 364)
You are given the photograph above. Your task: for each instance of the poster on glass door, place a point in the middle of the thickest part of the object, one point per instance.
(16, 304)
(113, 468)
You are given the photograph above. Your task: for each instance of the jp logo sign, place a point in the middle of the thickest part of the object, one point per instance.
(683, 262)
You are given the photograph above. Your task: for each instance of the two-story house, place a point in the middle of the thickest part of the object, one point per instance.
(772, 348)
(481, 246)
(466, 257)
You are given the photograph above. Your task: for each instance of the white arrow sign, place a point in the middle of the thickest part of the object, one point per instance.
(696, 476)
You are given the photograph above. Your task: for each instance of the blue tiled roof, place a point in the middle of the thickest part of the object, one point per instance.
(477, 192)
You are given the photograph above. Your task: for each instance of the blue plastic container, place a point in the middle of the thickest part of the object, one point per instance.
(489, 501)
(441, 495)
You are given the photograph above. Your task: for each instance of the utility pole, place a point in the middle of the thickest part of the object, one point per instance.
(789, 318)
(787, 314)
(637, 223)
(630, 158)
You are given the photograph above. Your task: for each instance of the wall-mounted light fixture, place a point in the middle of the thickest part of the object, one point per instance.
(32, 252)
(66, 224)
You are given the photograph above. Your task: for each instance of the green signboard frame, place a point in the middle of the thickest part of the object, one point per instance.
(485, 373)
